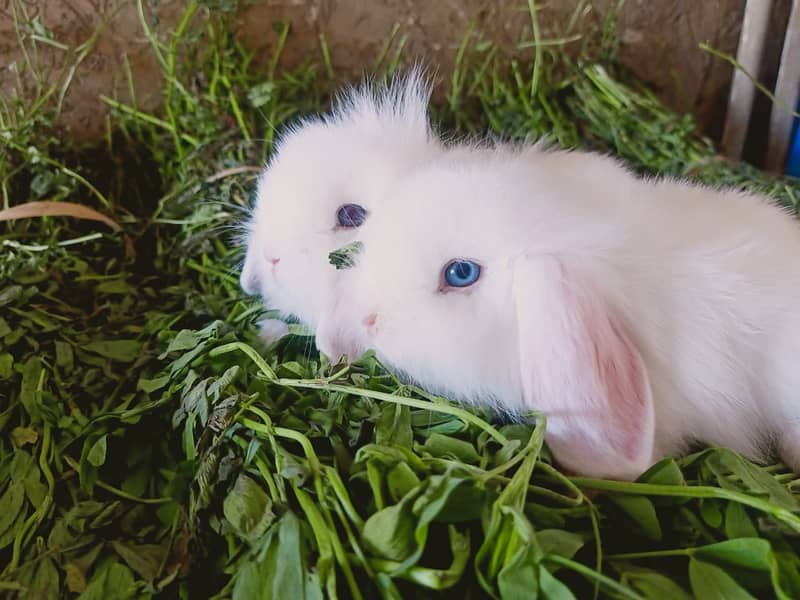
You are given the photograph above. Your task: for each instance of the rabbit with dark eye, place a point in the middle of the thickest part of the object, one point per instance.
(325, 179)
(639, 316)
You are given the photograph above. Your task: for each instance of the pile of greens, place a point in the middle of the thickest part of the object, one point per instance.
(150, 446)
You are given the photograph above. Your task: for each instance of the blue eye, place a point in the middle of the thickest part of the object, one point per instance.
(461, 273)
(351, 215)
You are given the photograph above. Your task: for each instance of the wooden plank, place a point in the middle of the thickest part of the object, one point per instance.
(787, 91)
(740, 102)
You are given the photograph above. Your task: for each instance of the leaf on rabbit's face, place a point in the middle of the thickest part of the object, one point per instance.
(343, 258)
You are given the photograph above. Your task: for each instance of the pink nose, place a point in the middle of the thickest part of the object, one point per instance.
(370, 320)
(274, 261)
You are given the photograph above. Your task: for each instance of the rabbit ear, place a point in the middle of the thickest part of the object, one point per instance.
(580, 369)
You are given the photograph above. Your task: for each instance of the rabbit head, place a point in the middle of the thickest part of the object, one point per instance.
(324, 181)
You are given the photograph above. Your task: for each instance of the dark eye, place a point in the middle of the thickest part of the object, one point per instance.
(351, 215)
(461, 273)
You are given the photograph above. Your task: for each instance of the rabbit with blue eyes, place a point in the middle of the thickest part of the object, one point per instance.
(323, 182)
(639, 316)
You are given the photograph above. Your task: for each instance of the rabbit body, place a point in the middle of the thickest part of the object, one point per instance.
(639, 315)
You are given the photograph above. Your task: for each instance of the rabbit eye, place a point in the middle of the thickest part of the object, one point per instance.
(351, 215)
(461, 273)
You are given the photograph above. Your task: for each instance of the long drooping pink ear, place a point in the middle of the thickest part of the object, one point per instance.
(582, 371)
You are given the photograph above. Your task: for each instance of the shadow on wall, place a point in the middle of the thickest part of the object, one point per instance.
(658, 41)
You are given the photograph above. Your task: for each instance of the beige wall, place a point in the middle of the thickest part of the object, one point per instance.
(659, 40)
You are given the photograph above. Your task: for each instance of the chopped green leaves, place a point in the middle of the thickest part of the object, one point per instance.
(151, 446)
(344, 257)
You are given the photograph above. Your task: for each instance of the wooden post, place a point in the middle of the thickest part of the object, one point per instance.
(740, 102)
(787, 91)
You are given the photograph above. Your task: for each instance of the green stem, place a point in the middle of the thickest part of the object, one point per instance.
(262, 365)
(148, 118)
(537, 40)
(754, 80)
(115, 490)
(620, 589)
(324, 384)
(308, 449)
(68, 172)
(410, 402)
(651, 554)
(649, 489)
(263, 469)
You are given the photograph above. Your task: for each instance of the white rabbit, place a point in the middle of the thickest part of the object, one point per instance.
(324, 180)
(639, 315)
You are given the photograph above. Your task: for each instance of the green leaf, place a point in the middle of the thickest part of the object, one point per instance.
(261, 94)
(6, 365)
(65, 357)
(711, 513)
(251, 582)
(21, 465)
(248, 509)
(185, 340)
(442, 446)
(290, 574)
(509, 539)
(7, 536)
(560, 542)
(754, 479)
(751, 553)
(738, 523)
(10, 294)
(35, 490)
(30, 395)
(400, 480)
(519, 578)
(389, 533)
(710, 582)
(343, 258)
(41, 579)
(654, 585)
(97, 453)
(11, 503)
(642, 511)
(5, 328)
(432, 578)
(785, 572)
(151, 385)
(519, 575)
(124, 351)
(552, 589)
(461, 500)
(394, 426)
(280, 571)
(111, 581)
(144, 559)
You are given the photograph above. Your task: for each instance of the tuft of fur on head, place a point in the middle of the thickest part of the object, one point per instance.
(399, 105)
(371, 138)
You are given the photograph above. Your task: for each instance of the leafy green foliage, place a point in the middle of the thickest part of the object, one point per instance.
(151, 447)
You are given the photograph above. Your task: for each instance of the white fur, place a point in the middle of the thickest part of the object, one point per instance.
(372, 136)
(704, 284)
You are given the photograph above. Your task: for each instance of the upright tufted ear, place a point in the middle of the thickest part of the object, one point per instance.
(582, 371)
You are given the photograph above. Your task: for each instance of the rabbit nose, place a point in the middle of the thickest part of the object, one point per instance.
(369, 322)
(274, 261)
